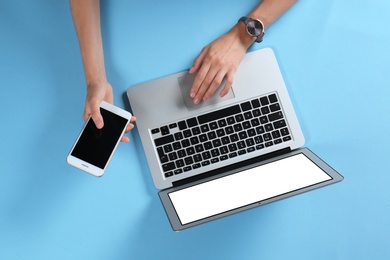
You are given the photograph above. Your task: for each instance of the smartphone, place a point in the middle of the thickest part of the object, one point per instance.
(94, 147)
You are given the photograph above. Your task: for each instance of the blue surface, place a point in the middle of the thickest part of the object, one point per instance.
(335, 59)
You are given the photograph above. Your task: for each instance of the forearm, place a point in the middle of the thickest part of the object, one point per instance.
(270, 10)
(267, 12)
(86, 18)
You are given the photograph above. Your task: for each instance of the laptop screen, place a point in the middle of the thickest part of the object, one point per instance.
(247, 187)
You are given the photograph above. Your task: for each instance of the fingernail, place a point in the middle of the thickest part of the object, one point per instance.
(192, 94)
(196, 101)
(99, 124)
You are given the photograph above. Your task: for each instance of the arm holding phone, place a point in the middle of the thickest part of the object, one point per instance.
(86, 18)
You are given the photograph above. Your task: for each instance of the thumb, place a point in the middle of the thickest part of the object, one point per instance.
(97, 118)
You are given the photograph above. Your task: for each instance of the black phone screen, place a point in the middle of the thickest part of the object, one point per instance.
(95, 146)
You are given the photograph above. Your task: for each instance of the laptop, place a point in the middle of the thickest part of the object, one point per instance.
(225, 155)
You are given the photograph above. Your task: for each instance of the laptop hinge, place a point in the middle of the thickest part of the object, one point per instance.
(231, 167)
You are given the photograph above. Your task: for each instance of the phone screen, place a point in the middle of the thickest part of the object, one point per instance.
(95, 146)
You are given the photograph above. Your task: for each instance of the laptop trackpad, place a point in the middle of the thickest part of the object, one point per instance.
(185, 84)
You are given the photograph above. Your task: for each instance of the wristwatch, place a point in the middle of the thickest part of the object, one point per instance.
(254, 27)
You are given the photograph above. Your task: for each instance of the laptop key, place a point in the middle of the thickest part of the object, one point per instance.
(168, 174)
(223, 157)
(164, 158)
(199, 148)
(168, 166)
(241, 152)
(176, 145)
(177, 171)
(163, 140)
(232, 155)
(214, 160)
(206, 155)
(172, 156)
(274, 107)
(181, 153)
(204, 128)
(229, 130)
(239, 118)
(230, 120)
(208, 145)
(178, 136)
(264, 101)
(246, 106)
(205, 163)
(164, 130)
(182, 125)
(215, 152)
(216, 115)
(273, 98)
(265, 110)
(185, 143)
(192, 122)
(213, 125)
(196, 166)
(188, 160)
(196, 130)
(251, 149)
(278, 141)
(275, 116)
(187, 168)
(279, 124)
(284, 131)
(241, 144)
(190, 150)
(222, 123)
(259, 146)
(255, 103)
(217, 143)
(168, 148)
(197, 158)
(223, 150)
(179, 163)
(173, 125)
(194, 140)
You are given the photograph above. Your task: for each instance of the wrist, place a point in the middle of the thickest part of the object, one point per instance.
(96, 80)
(239, 30)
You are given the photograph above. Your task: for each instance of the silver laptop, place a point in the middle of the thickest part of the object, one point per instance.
(227, 154)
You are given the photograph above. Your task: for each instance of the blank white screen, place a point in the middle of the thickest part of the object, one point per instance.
(246, 187)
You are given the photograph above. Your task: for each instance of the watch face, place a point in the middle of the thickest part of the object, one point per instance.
(254, 28)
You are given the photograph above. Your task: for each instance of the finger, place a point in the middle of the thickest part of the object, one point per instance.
(200, 77)
(228, 84)
(93, 107)
(129, 127)
(125, 139)
(198, 61)
(205, 85)
(214, 85)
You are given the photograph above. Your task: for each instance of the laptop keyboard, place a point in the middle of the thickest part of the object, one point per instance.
(220, 135)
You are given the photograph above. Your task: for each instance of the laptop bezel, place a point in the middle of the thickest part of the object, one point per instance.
(176, 223)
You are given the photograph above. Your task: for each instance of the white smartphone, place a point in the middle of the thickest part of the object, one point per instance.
(94, 147)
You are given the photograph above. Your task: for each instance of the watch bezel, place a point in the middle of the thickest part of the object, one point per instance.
(254, 27)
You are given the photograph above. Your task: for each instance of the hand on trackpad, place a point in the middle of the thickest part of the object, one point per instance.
(185, 84)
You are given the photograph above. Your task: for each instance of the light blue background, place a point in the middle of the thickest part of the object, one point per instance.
(335, 58)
